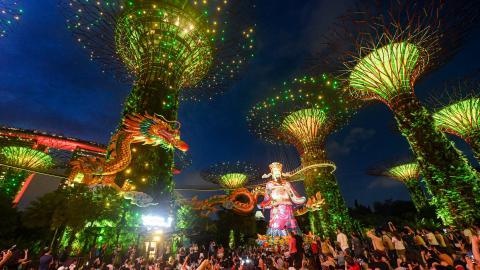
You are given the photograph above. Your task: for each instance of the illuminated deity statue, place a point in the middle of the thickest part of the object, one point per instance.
(280, 197)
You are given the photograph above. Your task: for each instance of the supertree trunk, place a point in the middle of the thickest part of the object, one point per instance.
(12, 180)
(153, 165)
(447, 173)
(416, 194)
(474, 143)
(334, 213)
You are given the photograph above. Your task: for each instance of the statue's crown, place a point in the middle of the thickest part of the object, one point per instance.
(275, 165)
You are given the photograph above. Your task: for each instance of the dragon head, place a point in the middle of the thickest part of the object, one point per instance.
(154, 130)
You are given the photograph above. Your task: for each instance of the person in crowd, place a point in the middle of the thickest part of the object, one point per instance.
(440, 240)
(419, 241)
(18, 260)
(431, 239)
(292, 247)
(326, 248)
(299, 252)
(46, 260)
(329, 262)
(351, 264)
(357, 245)
(300, 249)
(378, 262)
(377, 242)
(399, 246)
(6, 255)
(342, 240)
(389, 247)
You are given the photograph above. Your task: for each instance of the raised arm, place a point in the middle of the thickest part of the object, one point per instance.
(296, 199)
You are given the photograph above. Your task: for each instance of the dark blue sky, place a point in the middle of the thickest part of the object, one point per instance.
(48, 83)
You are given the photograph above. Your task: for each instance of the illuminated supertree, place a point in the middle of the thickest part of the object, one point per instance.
(167, 45)
(462, 118)
(26, 153)
(394, 46)
(26, 157)
(20, 157)
(409, 174)
(231, 175)
(305, 111)
(9, 13)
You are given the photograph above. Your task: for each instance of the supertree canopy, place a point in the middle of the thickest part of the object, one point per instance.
(231, 175)
(396, 44)
(24, 153)
(25, 157)
(462, 118)
(409, 174)
(168, 45)
(304, 113)
(9, 13)
(20, 157)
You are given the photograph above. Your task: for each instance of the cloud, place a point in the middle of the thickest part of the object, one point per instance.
(350, 142)
(384, 182)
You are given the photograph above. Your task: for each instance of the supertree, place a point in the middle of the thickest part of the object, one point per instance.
(11, 179)
(394, 45)
(303, 113)
(26, 153)
(231, 175)
(409, 174)
(9, 13)
(462, 118)
(168, 45)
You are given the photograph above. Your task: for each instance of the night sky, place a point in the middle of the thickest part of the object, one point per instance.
(48, 83)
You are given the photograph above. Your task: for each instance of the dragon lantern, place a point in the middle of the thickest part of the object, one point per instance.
(147, 129)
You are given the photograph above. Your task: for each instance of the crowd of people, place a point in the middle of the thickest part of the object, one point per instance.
(383, 249)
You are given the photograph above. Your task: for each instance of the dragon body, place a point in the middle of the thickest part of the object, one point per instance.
(147, 129)
(243, 201)
(240, 201)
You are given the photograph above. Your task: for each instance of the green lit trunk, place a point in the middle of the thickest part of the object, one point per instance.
(475, 145)
(416, 194)
(151, 166)
(449, 177)
(12, 180)
(334, 213)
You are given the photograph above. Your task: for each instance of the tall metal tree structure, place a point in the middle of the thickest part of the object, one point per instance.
(303, 113)
(166, 46)
(10, 12)
(462, 118)
(231, 175)
(25, 153)
(409, 174)
(12, 179)
(394, 45)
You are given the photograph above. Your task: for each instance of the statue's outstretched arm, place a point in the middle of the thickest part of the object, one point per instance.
(296, 199)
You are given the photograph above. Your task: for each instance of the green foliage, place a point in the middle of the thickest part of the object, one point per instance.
(334, 213)
(449, 177)
(399, 212)
(416, 194)
(9, 221)
(72, 209)
(11, 180)
(244, 227)
(231, 239)
(186, 217)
